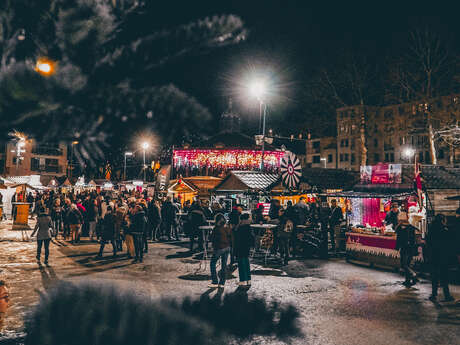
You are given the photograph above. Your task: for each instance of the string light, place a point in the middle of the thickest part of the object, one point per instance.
(226, 159)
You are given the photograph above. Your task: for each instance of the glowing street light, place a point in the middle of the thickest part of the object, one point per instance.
(409, 153)
(45, 67)
(258, 89)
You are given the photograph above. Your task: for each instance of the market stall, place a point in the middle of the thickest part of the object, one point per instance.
(368, 237)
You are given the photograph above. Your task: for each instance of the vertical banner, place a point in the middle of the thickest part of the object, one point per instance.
(163, 178)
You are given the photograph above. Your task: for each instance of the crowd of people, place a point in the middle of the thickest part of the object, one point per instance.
(131, 220)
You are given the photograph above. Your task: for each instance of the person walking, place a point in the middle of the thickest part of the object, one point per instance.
(405, 243)
(137, 229)
(440, 249)
(221, 240)
(108, 233)
(242, 245)
(335, 220)
(56, 216)
(44, 229)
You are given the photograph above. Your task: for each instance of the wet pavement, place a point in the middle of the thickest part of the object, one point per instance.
(340, 303)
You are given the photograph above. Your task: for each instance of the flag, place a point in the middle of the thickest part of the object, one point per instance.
(418, 183)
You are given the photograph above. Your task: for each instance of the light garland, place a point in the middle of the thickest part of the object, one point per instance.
(226, 159)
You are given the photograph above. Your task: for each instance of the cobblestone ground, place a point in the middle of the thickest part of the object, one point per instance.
(340, 303)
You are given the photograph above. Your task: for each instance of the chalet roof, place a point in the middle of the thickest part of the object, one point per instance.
(247, 180)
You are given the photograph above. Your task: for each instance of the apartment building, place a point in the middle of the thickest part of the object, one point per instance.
(322, 153)
(389, 132)
(35, 159)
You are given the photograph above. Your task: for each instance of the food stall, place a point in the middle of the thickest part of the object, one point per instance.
(368, 238)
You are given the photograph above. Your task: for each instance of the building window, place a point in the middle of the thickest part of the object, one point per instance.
(51, 165)
(346, 142)
(341, 157)
(376, 158)
(387, 158)
(392, 157)
(376, 142)
(316, 159)
(427, 157)
(441, 153)
(346, 157)
(420, 156)
(352, 158)
(329, 158)
(35, 164)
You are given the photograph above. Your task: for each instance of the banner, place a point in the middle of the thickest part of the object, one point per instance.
(163, 178)
(383, 173)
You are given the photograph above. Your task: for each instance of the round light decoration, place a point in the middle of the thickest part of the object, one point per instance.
(291, 171)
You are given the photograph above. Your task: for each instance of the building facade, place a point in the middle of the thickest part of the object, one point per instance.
(35, 159)
(390, 132)
(321, 153)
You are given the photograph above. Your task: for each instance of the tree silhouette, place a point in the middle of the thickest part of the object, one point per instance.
(105, 84)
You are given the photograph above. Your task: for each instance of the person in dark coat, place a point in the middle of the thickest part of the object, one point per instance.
(274, 210)
(169, 218)
(137, 229)
(335, 220)
(406, 244)
(243, 241)
(108, 232)
(43, 229)
(196, 219)
(221, 239)
(154, 217)
(439, 244)
(392, 216)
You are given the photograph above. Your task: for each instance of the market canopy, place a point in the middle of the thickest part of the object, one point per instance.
(241, 181)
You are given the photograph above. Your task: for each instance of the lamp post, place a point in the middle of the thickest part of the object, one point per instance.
(324, 160)
(145, 146)
(258, 90)
(124, 167)
(71, 157)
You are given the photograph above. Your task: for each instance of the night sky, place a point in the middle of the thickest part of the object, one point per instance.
(295, 39)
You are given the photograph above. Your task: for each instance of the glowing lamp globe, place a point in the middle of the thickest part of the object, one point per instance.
(257, 89)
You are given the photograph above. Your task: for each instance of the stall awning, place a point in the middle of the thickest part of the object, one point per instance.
(366, 195)
(242, 181)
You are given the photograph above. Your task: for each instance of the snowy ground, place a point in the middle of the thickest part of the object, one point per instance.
(341, 303)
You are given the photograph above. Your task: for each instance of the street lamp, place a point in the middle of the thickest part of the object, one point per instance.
(124, 168)
(145, 145)
(45, 67)
(409, 153)
(324, 160)
(258, 90)
(71, 157)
